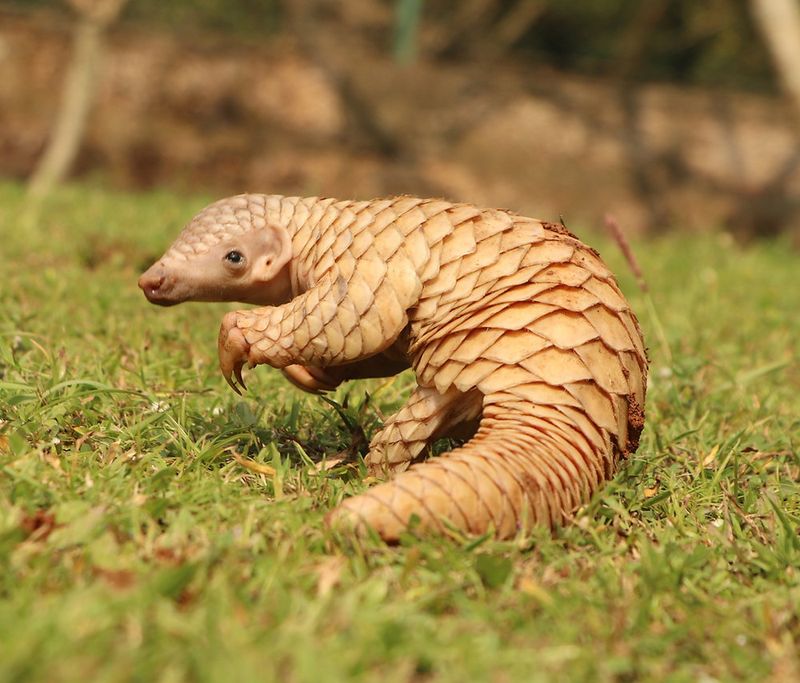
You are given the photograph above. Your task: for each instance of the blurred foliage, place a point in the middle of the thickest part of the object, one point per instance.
(711, 42)
(248, 18)
(706, 43)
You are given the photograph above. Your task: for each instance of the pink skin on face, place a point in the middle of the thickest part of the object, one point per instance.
(252, 268)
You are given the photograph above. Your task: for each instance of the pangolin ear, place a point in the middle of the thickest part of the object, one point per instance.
(277, 254)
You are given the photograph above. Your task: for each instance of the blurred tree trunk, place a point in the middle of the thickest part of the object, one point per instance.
(779, 23)
(94, 16)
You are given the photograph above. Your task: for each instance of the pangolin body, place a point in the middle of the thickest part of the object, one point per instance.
(515, 329)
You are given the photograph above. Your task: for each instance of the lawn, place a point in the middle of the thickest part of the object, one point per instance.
(154, 526)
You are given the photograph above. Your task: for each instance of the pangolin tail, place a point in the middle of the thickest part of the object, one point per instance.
(528, 465)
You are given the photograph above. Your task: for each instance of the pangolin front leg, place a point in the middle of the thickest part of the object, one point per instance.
(332, 324)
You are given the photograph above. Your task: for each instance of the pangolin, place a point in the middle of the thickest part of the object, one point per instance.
(517, 332)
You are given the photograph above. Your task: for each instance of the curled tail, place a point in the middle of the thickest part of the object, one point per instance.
(528, 465)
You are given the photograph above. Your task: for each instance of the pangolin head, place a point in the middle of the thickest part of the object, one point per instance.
(230, 251)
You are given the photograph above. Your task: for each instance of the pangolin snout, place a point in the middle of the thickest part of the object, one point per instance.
(157, 286)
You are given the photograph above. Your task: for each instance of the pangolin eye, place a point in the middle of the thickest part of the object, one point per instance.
(234, 256)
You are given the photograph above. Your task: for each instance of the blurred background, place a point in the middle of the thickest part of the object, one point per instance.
(666, 113)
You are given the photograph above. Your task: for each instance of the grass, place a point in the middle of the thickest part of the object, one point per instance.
(134, 545)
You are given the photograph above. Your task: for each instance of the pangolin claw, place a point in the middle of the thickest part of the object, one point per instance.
(238, 372)
(233, 352)
(232, 384)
